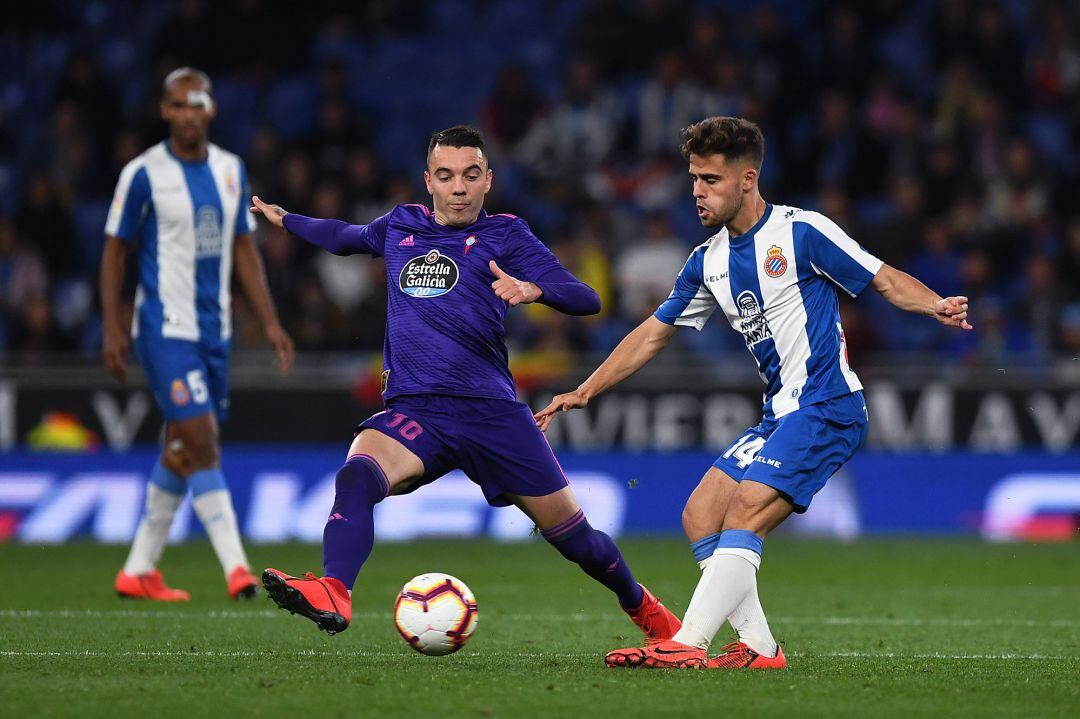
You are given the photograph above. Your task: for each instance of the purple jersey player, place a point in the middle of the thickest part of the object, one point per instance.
(452, 272)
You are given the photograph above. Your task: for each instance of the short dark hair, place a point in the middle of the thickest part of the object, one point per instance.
(733, 137)
(456, 136)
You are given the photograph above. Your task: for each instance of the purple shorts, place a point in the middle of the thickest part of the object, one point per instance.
(495, 442)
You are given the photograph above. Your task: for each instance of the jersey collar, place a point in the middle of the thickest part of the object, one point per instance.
(749, 234)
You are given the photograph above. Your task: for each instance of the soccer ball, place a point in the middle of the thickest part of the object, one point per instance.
(435, 613)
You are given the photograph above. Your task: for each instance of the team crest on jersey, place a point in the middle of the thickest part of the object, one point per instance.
(753, 325)
(469, 242)
(179, 393)
(775, 262)
(430, 275)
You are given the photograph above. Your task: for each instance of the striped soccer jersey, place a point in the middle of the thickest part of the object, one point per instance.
(775, 285)
(184, 216)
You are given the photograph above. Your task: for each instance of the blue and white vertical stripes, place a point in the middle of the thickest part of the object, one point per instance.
(184, 217)
(775, 284)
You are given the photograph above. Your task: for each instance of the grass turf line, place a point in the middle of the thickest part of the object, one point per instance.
(893, 628)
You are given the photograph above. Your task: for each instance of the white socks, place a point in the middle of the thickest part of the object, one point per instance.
(723, 585)
(215, 511)
(212, 502)
(153, 530)
(749, 621)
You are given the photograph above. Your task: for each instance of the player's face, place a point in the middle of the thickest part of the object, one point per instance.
(188, 109)
(719, 187)
(457, 178)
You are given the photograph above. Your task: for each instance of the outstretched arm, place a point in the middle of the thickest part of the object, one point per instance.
(558, 289)
(904, 291)
(249, 268)
(334, 236)
(635, 350)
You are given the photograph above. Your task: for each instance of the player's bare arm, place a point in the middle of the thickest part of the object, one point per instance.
(117, 338)
(514, 291)
(249, 268)
(633, 353)
(904, 291)
(274, 213)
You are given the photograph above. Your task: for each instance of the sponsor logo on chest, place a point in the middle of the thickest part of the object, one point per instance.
(207, 232)
(430, 275)
(753, 325)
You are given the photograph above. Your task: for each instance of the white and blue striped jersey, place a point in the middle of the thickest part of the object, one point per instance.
(775, 285)
(184, 217)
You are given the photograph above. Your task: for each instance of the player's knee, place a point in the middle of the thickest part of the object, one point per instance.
(175, 461)
(696, 521)
(201, 452)
(362, 474)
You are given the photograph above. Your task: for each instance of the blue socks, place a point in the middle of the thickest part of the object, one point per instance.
(167, 480)
(597, 555)
(704, 547)
(741, 539)
(206, 480)
(350, 529)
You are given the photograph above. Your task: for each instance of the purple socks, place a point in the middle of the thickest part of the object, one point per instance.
(597, 555)
(350, 528)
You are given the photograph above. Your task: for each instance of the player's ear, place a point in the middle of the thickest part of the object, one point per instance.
(487, 183)
(427, 182)
(749, 178)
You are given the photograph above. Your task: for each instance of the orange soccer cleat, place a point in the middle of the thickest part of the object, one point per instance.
(654, 618)
(667, 654)
(242, 583)
(323, 600)
(739, 656)
(147, 586)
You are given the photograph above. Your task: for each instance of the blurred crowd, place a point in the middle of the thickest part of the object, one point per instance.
(941, 135)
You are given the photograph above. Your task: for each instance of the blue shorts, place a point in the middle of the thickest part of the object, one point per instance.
(495, 442)
(186, 378)
(797, 453)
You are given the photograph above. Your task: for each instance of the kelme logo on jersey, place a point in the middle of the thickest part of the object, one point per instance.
(207, 232)
(430, 275)
(775, 263)
(753, 326)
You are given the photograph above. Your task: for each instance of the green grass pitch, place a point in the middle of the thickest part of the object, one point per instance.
(876, 628)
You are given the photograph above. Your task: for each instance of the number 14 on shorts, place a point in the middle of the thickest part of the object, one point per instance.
(745, 449)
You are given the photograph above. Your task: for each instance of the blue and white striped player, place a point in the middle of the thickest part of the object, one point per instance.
(180, 207)
(773, 271)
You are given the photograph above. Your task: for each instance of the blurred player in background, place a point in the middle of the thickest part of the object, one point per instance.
(452, 273)
(773, 270)
(180, 207)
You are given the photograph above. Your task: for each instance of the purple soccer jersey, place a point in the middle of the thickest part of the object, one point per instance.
(444, 324)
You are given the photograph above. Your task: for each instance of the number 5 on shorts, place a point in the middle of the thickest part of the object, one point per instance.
(197, 384)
